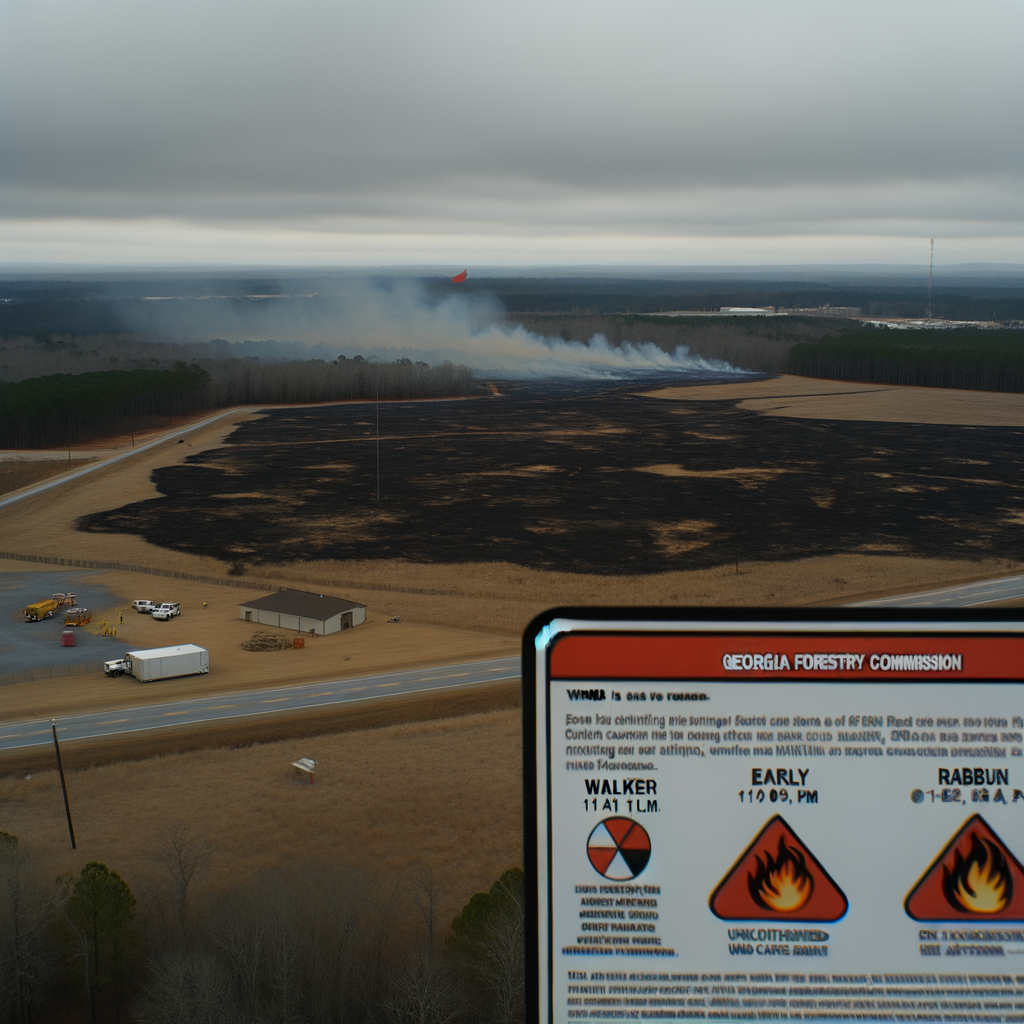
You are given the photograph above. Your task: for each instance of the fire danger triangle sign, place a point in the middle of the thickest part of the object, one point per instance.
(975, 878)
(778, 879)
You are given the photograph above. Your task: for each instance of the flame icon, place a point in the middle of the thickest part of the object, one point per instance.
(981, 883)
(782, 883)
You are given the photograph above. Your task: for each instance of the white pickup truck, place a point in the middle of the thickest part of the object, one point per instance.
(167, 611)
(161, 663)
(143, 607)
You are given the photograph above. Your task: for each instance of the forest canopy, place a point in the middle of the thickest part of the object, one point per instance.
(65, 408)
(982, 360)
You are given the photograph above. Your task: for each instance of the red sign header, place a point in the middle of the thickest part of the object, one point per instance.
(775, 656)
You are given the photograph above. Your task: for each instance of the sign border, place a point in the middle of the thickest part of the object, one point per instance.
(547, 628)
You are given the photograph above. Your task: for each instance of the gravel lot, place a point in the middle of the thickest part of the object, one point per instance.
(30, 645)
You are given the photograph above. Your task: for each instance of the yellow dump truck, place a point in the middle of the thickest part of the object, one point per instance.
(40, 610)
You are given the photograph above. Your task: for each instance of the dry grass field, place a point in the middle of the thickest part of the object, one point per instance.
(18, 473)
(442, 795)
(810, 398)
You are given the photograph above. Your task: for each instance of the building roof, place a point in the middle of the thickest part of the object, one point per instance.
(167, 652)
(298, 602)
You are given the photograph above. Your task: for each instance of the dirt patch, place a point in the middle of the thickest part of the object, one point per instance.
(441, 794)
(15, 474)
(809, 398)
(748, 477)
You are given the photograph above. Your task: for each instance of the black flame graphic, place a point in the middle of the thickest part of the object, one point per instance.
(763, 884)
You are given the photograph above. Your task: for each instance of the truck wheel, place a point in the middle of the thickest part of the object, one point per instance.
(116, 672)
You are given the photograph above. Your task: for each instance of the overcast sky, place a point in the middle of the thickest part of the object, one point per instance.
(646, 132)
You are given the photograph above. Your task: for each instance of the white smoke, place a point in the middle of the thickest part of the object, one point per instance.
(397, 319)
(518, 353)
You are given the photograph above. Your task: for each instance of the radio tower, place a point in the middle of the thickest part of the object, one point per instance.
(931, 258)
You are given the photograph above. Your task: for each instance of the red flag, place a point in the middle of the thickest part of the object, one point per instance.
(459, 278)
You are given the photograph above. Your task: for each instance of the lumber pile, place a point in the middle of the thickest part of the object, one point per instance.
(262, 641)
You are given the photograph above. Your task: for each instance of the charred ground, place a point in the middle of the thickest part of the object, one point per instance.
(593, 479)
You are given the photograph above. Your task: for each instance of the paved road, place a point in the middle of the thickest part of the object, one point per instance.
(46, 485)
(19, 735)
(967, 595)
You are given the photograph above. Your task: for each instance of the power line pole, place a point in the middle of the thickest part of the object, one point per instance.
(931, 258)
(378, 437)
(63, 784)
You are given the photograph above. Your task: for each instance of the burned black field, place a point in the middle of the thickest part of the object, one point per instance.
(584, 479)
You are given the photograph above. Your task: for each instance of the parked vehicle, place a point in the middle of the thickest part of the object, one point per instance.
(142, 606)
(77, 616)
(161, 663)
(167, 611)
(40, 610)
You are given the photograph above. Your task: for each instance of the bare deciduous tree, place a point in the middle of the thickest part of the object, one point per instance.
(28, 908)
(428, 894)
(423, 993)
(188, 986)
(183, 855)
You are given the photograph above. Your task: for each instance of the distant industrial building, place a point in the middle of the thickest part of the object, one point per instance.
(838, 312)
(747, 310)
(296, 609)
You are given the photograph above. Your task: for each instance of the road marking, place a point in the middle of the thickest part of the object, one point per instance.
(379, 685)
(353, 689)
(10, 735)
(276, 700)
(115, 721)
(168, 714)
(328, 693)
(218, 707)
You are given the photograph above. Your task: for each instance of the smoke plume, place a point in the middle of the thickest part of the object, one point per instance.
(399, 319)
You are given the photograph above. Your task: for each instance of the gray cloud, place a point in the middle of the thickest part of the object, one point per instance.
(639, 119)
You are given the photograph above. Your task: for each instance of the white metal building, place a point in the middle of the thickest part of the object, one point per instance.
(295, 609)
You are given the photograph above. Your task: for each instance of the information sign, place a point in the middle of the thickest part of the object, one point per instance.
(761, 816)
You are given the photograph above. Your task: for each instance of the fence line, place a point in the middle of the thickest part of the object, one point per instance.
(35, 675)
(247, 583)
(82, 563)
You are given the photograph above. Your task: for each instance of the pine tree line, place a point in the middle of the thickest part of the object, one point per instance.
(73, 408)
(978, 360)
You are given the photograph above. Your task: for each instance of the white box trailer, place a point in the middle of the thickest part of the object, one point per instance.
(161, 663)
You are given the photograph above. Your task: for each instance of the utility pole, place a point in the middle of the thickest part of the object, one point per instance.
(378, 437)
(931, 258)
(63, 784)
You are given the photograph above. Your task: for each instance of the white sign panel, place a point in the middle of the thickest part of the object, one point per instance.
(811, 818)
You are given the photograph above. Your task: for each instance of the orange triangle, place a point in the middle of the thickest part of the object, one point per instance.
(778, 879)
(618, 828)
(975, 878)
